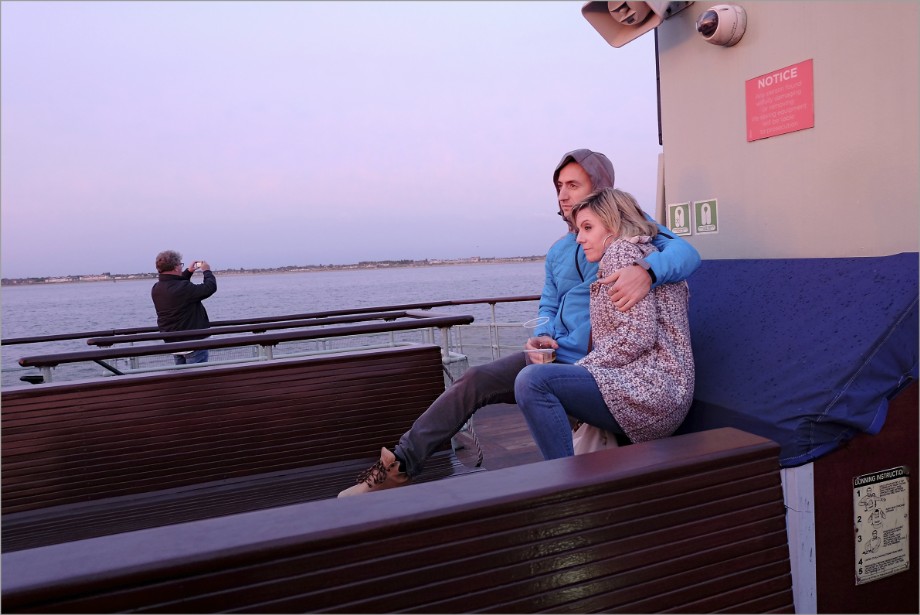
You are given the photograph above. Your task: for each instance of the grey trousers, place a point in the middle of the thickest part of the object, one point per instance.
(492, 383)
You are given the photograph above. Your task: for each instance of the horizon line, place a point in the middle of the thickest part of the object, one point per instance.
(98, 277)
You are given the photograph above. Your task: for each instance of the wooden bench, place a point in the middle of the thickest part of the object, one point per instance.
(119, 454)
(693, 523)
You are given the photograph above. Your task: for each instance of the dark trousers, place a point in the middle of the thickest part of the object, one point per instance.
(492, 383)
(198, 356)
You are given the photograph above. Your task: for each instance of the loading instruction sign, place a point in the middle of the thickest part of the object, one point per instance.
(679, 218)
(880, 521)
(706, 216)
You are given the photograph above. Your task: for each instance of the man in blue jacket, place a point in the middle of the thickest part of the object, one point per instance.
(563, 305)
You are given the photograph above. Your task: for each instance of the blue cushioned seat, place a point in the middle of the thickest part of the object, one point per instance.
(806, 352)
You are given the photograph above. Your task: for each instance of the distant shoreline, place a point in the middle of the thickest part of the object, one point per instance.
(388, 264)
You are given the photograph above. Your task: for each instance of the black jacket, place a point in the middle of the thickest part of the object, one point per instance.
(178, 301)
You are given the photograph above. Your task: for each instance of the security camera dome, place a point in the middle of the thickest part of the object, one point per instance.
(707, 23)
(723, 24)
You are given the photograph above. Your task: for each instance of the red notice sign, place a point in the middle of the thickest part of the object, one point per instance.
(780, 101)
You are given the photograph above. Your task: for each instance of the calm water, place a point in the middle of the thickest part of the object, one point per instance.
(62, 308)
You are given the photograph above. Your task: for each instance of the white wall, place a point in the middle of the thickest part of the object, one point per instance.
(847, 187)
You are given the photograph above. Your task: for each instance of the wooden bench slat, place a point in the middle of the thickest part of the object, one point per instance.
(531, 571)
(611, 589)
(330, 392)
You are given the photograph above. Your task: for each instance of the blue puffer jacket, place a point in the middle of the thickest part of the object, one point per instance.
(565, 299)
(569, 275)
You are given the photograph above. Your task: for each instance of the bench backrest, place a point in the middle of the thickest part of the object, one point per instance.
(72, 442)
(693, 523)
(805, 352)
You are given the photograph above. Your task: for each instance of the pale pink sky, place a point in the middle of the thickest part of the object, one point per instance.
(264, 134)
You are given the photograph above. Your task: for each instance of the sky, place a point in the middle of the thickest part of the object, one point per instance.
(269, 134)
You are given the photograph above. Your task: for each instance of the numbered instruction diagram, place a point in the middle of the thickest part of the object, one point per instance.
(880, 515)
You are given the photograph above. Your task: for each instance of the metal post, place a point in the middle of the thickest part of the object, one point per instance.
(266, 353)
(46, 374)
(445, 343)
(132, 361)
(494, 325)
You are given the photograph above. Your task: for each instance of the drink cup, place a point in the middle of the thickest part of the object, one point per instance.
(542, 355)
(539, 355)
(533, 323)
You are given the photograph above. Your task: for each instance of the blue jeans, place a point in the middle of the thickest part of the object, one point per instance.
(548, 394)
(198, 356)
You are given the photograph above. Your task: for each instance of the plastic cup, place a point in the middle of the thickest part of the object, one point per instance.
(542, 355)
(539, 355)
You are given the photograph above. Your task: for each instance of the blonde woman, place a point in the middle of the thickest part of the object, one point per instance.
(638, 377)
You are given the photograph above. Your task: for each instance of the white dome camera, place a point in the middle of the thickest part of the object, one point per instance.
(722, 24)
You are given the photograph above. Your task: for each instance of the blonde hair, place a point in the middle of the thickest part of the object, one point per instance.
(618, 211)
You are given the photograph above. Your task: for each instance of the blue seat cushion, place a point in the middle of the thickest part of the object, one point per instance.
(806, 352)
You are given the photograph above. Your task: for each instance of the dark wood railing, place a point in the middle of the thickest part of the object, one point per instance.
(268, 319)
(417, 320)
(110, 340)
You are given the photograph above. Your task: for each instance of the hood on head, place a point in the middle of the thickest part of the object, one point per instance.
(596, 165)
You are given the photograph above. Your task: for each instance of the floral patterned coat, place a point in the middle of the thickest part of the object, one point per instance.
(641, 359)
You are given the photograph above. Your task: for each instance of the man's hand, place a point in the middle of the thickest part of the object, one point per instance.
(627, 286)
(533, 346)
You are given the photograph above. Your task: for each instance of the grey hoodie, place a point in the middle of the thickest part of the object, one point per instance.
(596, 165)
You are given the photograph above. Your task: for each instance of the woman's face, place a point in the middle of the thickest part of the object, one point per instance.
(593, 236)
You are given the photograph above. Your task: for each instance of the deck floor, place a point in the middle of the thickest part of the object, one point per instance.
(504, 437)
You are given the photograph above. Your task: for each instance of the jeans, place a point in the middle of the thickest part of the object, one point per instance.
(197, 356)
(549, 394)
(492, 383)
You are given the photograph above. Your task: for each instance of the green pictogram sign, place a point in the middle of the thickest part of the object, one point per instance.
(679, 218)
(706, 216)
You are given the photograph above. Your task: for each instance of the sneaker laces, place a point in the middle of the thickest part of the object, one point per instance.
(374, 475)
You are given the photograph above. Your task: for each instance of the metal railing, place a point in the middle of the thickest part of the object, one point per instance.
(308, 333)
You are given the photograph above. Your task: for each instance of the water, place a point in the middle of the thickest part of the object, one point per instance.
(47, 309)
